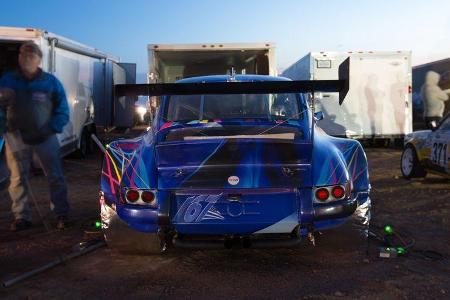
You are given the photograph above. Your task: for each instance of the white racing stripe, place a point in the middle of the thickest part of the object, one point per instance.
(285, 225)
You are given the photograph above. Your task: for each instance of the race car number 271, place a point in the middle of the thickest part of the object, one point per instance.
(439, 154)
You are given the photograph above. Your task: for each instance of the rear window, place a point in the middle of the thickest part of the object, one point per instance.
(235, 132)
(207, 107)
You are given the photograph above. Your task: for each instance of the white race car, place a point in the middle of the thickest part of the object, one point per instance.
(427, 151)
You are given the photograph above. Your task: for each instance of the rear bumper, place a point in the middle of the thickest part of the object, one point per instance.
(342, 209)
(323, 216)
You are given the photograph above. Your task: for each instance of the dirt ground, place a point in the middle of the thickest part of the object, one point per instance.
(337, 267)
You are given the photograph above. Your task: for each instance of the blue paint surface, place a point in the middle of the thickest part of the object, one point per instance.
(232, 184)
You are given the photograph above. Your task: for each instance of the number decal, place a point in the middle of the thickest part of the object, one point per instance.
(192, 212)
(198, 208)
(439, 154)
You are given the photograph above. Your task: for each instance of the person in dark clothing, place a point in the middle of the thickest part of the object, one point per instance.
(434, 99)
(36, 109)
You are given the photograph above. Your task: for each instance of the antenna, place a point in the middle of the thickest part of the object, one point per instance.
(233, 74)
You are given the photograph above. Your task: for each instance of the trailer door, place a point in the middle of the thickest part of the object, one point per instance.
(382, 87)
(378, 103)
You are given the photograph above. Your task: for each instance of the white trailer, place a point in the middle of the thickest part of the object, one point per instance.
(169, 63)
(88, 76)
(379, 102)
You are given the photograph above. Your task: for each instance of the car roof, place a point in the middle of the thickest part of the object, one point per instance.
(226, 78)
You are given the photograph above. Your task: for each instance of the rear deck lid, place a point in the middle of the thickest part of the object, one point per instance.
(269, 160)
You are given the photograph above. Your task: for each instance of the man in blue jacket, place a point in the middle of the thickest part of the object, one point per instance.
(36, 109)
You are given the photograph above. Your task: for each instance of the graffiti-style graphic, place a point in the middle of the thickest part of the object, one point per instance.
(198, 208)
(218, 171)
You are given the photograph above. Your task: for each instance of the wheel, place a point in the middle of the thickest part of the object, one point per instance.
(86, 144)
(128, 241)
(89, 142)
(410, 165)
(82, 151)
(119, 236)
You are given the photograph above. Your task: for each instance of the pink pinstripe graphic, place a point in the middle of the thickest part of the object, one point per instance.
(138, 160)
(110, 178)
(111, 183)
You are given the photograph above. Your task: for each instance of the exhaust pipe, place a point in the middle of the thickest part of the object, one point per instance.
(261, 244)
(229, 243)
(199, 245)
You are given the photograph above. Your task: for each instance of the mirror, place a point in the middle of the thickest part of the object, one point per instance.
(318, 116)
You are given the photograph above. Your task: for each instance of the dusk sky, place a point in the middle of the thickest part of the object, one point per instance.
(124, 28)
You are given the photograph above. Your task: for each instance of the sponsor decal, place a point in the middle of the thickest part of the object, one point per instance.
(233, 180)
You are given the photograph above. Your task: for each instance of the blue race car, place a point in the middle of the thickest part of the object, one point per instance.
(230, 160)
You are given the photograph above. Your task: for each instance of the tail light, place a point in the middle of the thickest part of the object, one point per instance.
(322, 194)
(338, 192)
(147, 196)
(132, 196)
(333, 192)
(141, 197)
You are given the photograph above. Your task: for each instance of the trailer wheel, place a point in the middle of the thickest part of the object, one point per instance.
(82, 150)
(89, 142)
(86, 144)
(409, 164)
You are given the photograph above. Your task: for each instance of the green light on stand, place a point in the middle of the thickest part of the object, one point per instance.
(388, 229)
(401, 251)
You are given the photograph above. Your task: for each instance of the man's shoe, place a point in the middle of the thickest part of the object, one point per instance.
(61, 222)
(20, 224)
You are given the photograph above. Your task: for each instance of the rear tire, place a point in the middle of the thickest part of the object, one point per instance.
(121, 237)
(133, 243)
(410, 165)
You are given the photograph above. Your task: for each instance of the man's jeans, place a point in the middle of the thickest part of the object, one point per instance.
(19, 157)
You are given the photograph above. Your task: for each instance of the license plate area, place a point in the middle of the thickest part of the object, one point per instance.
(235, 211)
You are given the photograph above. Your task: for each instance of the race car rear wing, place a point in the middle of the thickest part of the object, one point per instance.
(262, 87)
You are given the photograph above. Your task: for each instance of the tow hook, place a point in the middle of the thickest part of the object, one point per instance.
(311, 237)
(163, 247)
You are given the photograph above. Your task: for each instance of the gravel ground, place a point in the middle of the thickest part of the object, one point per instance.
(337, 267)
